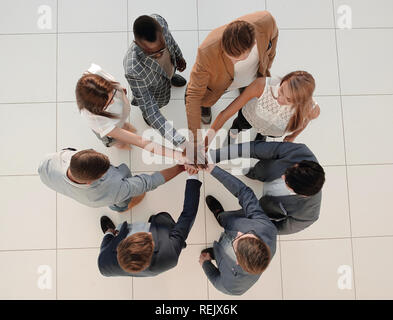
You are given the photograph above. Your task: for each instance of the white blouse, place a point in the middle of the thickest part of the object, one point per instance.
(120, 108)
(265, 114)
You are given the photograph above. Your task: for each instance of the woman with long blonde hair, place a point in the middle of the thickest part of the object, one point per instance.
(274, 107)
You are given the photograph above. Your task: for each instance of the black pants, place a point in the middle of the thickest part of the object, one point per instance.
(241, 123)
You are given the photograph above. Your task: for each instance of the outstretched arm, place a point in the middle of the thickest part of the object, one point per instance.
(255, 89)
(186, 220)
(151, 111)
(260, 150)
(247, 199)
(128, 137)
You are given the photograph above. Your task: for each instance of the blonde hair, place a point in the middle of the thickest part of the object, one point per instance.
(301, 85)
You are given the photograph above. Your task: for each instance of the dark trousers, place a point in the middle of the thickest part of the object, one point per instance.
(241, 123)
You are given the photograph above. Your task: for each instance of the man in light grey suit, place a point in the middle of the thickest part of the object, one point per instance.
(88, 177)
(248, 244)
(292, 178)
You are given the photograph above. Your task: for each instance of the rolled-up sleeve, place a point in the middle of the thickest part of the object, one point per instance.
(139, 184)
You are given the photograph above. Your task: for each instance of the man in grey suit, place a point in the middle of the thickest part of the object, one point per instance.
(88, 177)
(292, 178)
(248, 243)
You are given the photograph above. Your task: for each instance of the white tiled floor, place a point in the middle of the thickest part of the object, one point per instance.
(41, 230)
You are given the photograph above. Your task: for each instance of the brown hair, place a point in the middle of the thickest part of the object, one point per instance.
(238, 37)
(92, 93)
(301, 84)
(88, 165)
(253, 255)
(134, 253)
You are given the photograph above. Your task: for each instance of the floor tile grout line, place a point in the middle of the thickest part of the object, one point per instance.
(281, 271)
(180, 30)
(345, 150)
(203, 173)
(202, 244)
(225, 168)
(129, 152)
(56, 195)
(279, 239)
(224, 98)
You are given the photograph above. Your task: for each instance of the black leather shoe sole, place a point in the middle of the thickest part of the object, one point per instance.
(209, 251)
(178, 81)
(106, 224)
(251, 174)
(214, 206)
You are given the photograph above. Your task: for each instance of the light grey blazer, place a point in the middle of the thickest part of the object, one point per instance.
(291, 213)
(114, 189)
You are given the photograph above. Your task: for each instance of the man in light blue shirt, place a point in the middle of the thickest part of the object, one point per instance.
(88, 177)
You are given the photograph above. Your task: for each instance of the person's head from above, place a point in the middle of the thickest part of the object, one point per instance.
(149, 37)
(237, 40)
(95, 94)
(252, 254)
(87, 166)
(305, 178)
(135, 252)
(296, 89)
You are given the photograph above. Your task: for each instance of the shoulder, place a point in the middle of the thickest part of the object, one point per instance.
(132, 61)
(160, 20)
(256, 88)
(263, 19)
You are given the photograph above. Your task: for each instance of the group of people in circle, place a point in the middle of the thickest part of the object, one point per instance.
(236, 56)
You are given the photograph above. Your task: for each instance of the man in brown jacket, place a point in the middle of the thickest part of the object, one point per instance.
(230, 58)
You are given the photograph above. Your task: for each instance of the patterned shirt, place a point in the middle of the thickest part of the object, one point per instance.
(150, 84)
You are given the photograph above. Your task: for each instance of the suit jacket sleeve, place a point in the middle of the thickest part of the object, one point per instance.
(259, 150)
(107, 240)
(247, 199)
(195, 92)
(138, 184)
(291, 225)
(214, 275)
(182, 228)
(272, 52)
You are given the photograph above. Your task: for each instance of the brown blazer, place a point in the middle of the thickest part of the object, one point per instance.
(213, 72)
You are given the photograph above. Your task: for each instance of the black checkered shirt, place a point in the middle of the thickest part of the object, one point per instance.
(150, 84)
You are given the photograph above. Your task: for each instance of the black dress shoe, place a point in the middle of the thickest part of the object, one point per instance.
(178, 81)
(251, 174)
(260, 137)
(210, 251)
(206, 114)
(106, 224)
(215, 206)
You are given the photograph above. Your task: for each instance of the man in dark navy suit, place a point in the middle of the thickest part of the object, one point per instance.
(146, 249)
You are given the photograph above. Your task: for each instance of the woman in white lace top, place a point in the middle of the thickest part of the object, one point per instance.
(274, 107)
